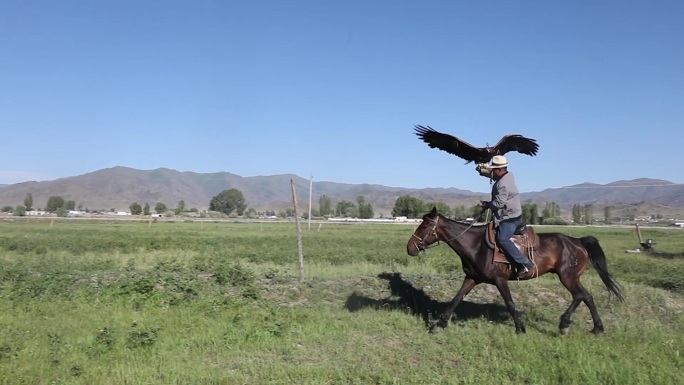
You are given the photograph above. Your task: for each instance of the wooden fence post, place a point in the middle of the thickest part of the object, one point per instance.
(299, 233)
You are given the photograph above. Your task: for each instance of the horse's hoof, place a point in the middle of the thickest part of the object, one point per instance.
(597, 330)
(520, 331)
(564, 331)
(435, 328)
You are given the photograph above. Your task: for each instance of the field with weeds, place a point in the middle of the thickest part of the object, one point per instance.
(221, 303)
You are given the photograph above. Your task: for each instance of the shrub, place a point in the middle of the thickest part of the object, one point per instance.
(555, 221)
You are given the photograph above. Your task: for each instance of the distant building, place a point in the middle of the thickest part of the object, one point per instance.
(377, 220)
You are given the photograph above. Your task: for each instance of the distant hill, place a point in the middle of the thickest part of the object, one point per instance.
(118, 187)
(624, 191)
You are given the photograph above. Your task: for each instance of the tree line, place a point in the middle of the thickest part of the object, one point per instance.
(55, 204)
(233, 201)
(413, 207)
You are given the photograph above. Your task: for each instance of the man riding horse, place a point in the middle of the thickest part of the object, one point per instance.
(560, 254)
(505, 202)
(507, 209)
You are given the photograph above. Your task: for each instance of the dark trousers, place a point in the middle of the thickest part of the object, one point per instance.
(504, 233)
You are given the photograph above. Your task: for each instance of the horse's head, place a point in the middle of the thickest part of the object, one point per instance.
(425, 235)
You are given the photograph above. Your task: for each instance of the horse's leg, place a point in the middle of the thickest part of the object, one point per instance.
(589, 301)
(579, 294)
(572, 284)
(502, 285)
(467, 285)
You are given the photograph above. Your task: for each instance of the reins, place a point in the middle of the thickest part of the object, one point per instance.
(462, 232)
(434, 229)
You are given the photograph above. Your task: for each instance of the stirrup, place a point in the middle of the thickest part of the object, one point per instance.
(521, 270)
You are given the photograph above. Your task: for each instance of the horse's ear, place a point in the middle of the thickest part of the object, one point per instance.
(434, 210)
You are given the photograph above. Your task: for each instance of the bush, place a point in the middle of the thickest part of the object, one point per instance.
(234, 275)
(555, 221)
(20, 211)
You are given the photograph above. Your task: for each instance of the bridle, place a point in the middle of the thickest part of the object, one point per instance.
(433, 231)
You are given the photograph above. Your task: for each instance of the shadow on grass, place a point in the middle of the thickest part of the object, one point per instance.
(416, 302)
(663, 255)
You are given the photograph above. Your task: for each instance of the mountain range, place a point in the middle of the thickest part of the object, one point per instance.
(118, 187)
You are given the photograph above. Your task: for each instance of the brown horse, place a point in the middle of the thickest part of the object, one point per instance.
(557, 253)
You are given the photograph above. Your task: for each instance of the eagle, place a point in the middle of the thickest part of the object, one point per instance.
(470, 153)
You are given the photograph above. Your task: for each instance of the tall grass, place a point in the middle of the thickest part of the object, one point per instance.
(180, 303)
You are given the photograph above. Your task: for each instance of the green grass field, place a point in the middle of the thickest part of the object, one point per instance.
(221, 303)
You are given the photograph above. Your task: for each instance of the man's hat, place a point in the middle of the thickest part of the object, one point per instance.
(498, 161)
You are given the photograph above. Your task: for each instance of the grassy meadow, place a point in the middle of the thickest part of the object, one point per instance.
(221, 303)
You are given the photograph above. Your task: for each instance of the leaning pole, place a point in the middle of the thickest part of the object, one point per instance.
(299, 232)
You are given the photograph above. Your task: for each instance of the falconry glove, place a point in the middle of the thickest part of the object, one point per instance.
(484, 170)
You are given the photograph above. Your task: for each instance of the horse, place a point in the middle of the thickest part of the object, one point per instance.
(556, 253)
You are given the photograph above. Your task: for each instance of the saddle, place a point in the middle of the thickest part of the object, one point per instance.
(524, 237)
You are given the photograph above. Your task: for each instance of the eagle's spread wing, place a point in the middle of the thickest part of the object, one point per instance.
(450, 144)
(517, 143)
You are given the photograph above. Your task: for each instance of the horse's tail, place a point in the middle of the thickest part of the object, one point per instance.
(598, 260)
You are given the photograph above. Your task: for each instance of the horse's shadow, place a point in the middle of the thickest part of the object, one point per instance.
(405, 297)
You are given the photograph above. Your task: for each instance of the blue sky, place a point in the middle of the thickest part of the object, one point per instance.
(332, 89)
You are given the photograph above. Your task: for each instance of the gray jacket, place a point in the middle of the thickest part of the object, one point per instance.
(505, 203)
